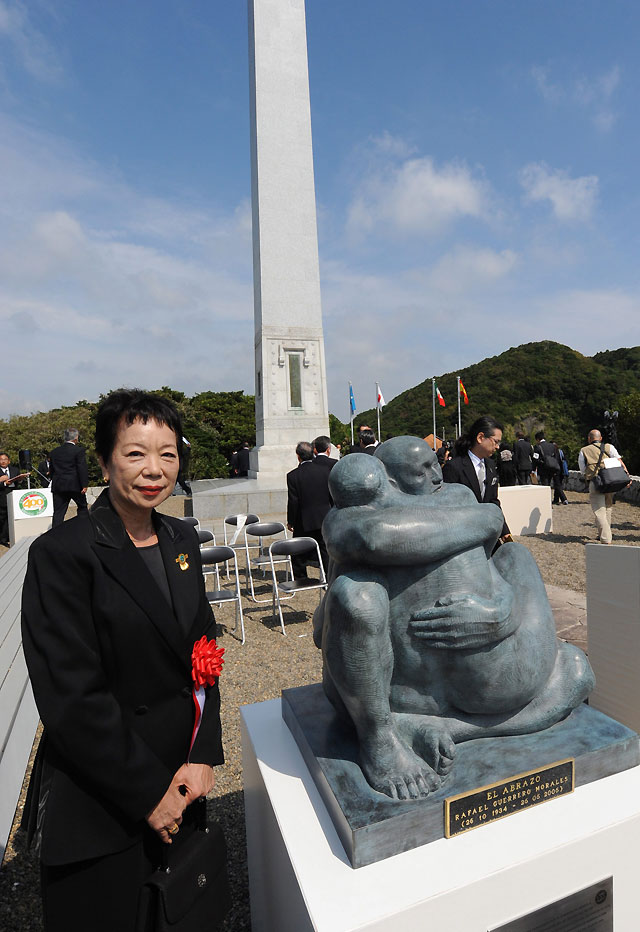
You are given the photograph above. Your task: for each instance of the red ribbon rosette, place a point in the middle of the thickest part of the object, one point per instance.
(206, 660)
(206, 667)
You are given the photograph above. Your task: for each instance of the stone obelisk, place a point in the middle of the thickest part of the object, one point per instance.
(290, 384)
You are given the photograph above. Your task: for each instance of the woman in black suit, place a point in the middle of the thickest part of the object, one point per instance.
(112, 608)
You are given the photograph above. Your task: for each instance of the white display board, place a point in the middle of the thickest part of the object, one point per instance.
(30, 511)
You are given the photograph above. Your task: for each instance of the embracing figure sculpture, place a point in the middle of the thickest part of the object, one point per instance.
(428, 639)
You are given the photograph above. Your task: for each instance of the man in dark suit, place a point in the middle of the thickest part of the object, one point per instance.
(69, 476)
(474, 466)
(522, 454)
(544, 456)
(241, 463)
(308, 502)
(368, 442)
(322, 452)
(9, 478)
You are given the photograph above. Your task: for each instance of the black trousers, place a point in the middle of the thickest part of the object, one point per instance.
(101, 894)
(61, 503)
(4, 520)
(524, 477)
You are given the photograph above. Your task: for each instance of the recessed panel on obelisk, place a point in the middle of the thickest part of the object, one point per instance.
(290, 384)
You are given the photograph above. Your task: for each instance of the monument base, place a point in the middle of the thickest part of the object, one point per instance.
(301, 879)
(214, 499)
(372, 826)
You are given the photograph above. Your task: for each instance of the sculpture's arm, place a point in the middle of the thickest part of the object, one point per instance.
(398, 536)
(466, 621)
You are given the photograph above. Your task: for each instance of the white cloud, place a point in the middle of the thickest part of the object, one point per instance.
(102, 286)
(403, 195)
(593, 94)
(572, 199)
(36, 55)
(467, 268)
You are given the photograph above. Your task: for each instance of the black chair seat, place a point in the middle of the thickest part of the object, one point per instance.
(297, 584)
(221, 595)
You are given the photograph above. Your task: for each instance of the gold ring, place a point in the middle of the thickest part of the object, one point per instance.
(174, 828)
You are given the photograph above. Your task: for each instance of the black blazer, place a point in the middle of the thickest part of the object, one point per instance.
(68, 468)
(308, 500)
(110, 665)
(325, 461)
(523, 453)
(5, 488)
(460, 469)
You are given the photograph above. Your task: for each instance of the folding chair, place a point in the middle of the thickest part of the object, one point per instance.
(285, 549)
(231, 532)
(260, 530)
(211, 558)
(206, 537)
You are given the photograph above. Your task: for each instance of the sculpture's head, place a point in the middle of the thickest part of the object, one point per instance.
(411, 464)
(357, 480)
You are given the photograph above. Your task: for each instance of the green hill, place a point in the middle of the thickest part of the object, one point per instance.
(529, 387)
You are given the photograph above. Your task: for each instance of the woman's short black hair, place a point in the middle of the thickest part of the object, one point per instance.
(126, 405)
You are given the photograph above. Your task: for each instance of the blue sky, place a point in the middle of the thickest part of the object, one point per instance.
(476, 177)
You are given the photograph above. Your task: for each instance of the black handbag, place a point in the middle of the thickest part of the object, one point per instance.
(610, 479)
(189, 891)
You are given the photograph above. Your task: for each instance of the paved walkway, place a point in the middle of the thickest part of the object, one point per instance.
(570, 613)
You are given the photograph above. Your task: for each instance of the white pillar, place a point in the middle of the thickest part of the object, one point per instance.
(290, 387)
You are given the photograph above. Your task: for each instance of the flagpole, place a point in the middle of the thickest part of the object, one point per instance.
(433, 399)
(459, 415)
(351, 411)
(378, 411)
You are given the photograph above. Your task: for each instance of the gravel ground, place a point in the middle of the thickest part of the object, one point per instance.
(268, 663)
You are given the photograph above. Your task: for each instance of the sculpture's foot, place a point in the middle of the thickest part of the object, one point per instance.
(393, 769)
(429, 736)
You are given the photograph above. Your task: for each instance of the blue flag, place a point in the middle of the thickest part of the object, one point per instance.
(352, 401)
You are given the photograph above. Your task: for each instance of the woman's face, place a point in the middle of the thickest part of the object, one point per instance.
(143, 467)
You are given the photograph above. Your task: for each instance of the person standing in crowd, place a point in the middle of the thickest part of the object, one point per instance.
(506, 466)
(44, 470)
(183, 475)
(601, 504)
(113, 606)
(367, 440)
(69, 476)
(472, 463)
(322, 453)
(522, 455)
(242, 461)
(308, 502)
(10, 476)
(544, 457)
(558, 478)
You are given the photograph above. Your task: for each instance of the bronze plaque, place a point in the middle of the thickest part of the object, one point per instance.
(485, 805)
(588, 910)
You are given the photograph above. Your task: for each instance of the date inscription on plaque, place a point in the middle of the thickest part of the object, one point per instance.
(588, 910)
(482, 806)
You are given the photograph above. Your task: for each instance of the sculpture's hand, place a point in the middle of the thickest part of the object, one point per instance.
(465, 621)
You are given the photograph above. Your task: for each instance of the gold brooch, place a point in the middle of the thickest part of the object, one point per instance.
(182, 560)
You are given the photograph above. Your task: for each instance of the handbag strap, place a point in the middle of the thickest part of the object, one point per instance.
(599, 459)
(200, 811)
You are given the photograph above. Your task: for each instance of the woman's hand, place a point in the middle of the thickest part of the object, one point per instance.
(168, 812)
(198, 780)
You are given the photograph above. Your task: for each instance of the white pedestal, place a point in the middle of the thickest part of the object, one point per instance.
(527, 508)
(30, 512)
(300, 878)
(613, 630)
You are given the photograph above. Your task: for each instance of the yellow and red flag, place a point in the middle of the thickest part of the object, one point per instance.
(463, 392)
